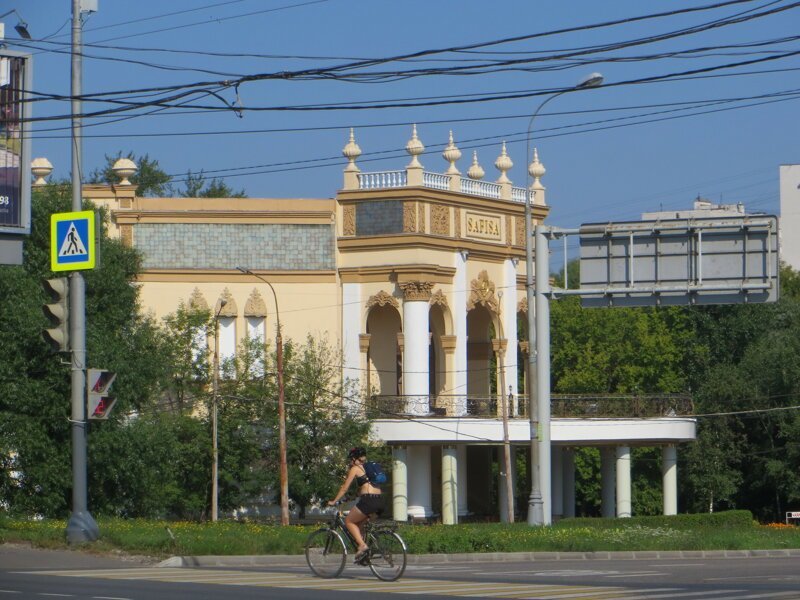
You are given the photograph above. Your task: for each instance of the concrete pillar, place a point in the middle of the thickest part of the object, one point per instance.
(449, 485)
(351, 327)
(557, 469)
(569, 483)
(623, 481)
(416, 346)
(461, 465)
(399, 483)
(669, 477)
(503, 492)
(419, 481)
(608, 478)
(459, 308)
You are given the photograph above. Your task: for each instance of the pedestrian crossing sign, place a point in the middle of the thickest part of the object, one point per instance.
(72, 243)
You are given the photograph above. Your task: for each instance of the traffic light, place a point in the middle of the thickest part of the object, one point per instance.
(98, 386)
(58, 313)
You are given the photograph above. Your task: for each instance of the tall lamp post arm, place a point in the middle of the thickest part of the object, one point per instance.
(284, 471)
(539, 366)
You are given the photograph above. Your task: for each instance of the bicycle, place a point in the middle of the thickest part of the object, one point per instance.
(326, 549)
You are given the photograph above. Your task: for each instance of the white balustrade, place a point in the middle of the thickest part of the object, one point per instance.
(518, 194)
(475, 187)
(382, 179)
(437, 181)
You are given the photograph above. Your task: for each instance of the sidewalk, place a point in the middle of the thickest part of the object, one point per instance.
(433, 559)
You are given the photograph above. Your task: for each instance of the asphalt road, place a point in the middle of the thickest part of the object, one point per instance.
(27, 573)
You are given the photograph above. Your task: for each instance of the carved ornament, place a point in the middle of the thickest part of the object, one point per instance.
(522, 306)
(229, 309)
(382, 299)
(197, 301)
(349, 220)
(439, 298)
(416, 290)
(440, 220)
(482, 292)
(255, 305)
(409, 217)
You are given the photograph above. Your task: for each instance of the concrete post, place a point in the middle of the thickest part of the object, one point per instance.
(669, 476)
(449, 485)
(399, 483)
(623, 481)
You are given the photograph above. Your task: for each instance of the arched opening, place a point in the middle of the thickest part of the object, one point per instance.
(481, 371)
(437, 361)
(383, 325)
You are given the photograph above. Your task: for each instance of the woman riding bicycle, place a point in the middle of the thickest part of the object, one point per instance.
(370, 501)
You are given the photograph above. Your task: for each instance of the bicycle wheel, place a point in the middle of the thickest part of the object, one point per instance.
(325, 553)
(387, 555)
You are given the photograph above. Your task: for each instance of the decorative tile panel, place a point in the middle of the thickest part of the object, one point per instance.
(268, 246)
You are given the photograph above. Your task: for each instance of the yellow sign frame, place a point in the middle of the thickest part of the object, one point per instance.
(80, 224)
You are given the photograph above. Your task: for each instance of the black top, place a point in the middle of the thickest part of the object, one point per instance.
(361, 479)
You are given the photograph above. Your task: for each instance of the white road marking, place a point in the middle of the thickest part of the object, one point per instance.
(635, 574)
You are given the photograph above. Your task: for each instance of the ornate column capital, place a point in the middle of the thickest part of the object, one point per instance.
(419, 291)
(363, 342)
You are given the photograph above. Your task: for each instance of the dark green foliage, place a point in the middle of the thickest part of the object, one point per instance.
(150, 178)
(35, 433)
(197, 186)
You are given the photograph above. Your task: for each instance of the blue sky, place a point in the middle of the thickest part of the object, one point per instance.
(597, 169)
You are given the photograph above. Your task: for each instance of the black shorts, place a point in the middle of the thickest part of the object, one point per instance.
(370, 504)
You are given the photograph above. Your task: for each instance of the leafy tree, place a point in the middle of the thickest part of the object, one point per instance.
(321, 422)
(196, 186)
(150, 178)
(35, 430)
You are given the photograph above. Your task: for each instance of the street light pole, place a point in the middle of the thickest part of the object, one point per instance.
(539, 391)
(284, 472)
(214, 434)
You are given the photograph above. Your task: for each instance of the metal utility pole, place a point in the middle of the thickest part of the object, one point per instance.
(81, 527)
(539, 392)
(284, 471)
(214, 434)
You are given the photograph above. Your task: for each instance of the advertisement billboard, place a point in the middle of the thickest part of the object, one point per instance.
(15, 184)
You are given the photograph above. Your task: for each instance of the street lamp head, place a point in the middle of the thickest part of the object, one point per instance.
(22, 30)
(590, 81)
(21, 27)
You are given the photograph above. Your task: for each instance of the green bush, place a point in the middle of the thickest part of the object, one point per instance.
(726, 519)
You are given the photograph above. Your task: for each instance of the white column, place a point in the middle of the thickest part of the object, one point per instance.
(459, 308)
(419, 481)
(503, 492)
(509, 316)
(416, 346)
(461, 460)
(569, 483)
(669, 476)
(557, 469)
(351, 327)
(449, 485)
(623, 481)
(399, 483)
(608, 478)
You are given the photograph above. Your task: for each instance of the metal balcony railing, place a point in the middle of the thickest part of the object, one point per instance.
(561, 406)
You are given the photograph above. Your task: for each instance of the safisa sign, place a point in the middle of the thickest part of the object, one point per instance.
(72, 241)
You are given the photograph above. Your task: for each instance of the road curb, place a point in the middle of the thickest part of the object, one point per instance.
(293, 560)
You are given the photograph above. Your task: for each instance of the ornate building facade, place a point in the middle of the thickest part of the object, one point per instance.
(419, 277)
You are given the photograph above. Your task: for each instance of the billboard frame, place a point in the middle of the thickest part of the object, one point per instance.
(24, 227)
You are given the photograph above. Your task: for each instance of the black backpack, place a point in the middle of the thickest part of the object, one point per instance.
(375, 472)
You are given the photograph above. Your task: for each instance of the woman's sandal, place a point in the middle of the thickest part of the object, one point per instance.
(361, 556)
